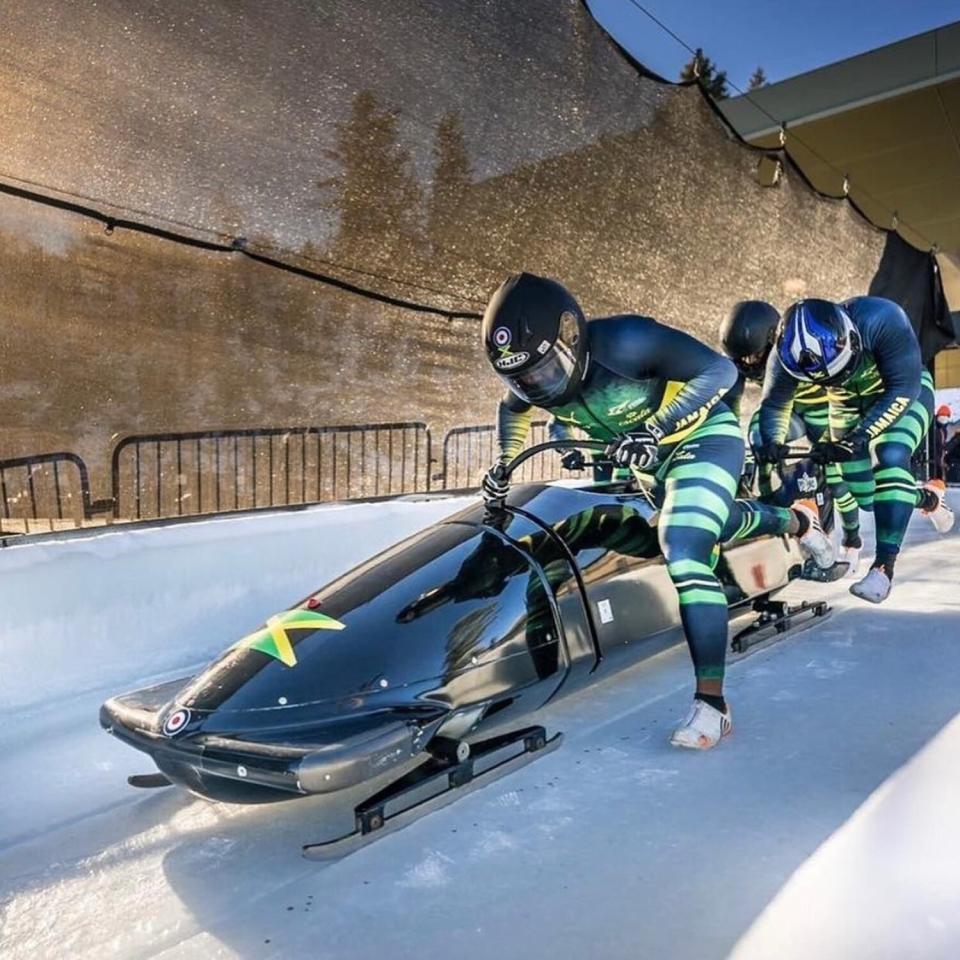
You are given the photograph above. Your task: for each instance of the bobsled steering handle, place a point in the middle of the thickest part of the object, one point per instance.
(818, 468)
(571, 444)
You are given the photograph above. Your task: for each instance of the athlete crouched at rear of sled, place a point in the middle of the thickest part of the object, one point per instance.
(655, 395)
(865, 353)
(747, 336)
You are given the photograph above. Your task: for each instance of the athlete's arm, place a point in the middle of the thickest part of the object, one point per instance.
(639, 347)
(776, 402)
(513, 426)
(734, 397)
(705, 374)
(896, 352)
(558, 430)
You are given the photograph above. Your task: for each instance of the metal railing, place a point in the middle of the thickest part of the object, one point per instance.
(469, 451)
(50, 491)
(181, 474)
(168, 475)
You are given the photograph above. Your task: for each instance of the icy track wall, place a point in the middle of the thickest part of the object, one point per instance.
(101, 611)
(420, 150)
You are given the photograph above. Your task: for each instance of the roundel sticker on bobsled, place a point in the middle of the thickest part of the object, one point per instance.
(176, 721)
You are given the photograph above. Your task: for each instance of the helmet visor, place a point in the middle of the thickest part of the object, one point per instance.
(753, 366)
(547, 379)
(809, 367)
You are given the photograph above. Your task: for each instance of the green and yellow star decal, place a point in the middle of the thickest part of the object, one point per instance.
(273, 639)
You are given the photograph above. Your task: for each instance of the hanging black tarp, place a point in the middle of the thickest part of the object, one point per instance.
(912, 278)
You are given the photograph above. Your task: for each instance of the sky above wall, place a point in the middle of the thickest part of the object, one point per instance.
(784, 38)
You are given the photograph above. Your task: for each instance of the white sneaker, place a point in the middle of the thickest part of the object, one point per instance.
(703, 727)
(875, 586)
(850, 556)
(941, 516)
(815, 542)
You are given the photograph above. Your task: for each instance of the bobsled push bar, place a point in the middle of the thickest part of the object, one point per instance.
(569, 443)
(776, 617)
(434, 784)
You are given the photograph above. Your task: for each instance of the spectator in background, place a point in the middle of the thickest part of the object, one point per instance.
(940, 443)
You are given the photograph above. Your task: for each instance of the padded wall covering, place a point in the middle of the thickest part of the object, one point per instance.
(422, 150)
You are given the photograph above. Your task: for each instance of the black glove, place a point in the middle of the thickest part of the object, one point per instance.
(495, 485)
(770, 452)
(839, 451)
(573, 460)
(637, 449)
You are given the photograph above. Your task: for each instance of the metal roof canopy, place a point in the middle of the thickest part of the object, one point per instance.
(889, 120)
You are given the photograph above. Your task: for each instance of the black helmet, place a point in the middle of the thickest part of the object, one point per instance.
(535, 335)
(818, 343)
(748, 334)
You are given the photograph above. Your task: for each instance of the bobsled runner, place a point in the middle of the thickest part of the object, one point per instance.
(416, 673)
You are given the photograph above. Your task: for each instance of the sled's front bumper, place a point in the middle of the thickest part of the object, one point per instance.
(214, 767)
(238, 770)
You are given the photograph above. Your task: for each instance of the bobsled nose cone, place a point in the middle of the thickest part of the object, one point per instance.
(106, 716)
(115, 713)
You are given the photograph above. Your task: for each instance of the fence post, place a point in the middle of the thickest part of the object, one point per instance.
(429, 458)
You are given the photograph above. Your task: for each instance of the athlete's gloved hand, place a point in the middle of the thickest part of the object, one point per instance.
(495, 485)
(637, 449)
(770, 451)
(839, 451)
(573, 460)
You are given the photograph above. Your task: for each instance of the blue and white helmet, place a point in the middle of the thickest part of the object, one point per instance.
(818, 343)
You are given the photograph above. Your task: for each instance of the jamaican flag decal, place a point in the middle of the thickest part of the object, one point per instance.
(274, 640)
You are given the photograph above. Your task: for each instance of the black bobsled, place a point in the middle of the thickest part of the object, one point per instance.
(409, 669)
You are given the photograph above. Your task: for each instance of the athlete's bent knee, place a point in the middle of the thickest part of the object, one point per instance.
(893, 455)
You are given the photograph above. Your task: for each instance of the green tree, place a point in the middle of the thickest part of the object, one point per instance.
(702, 69)
(757, 79)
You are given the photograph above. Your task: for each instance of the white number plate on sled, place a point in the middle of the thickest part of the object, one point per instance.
(605, 610)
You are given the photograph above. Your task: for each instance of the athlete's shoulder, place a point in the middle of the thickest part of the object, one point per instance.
(621, 325)
(874, 313)
(612, 337)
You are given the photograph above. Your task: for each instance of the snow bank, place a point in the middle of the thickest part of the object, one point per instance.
(93, 611)
(885, 884)
(805, 840)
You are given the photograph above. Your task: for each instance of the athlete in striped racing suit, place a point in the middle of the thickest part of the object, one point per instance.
(747, 335)
(866, 355)
(655, 395)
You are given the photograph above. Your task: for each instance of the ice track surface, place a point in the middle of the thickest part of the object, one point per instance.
(825, 827)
